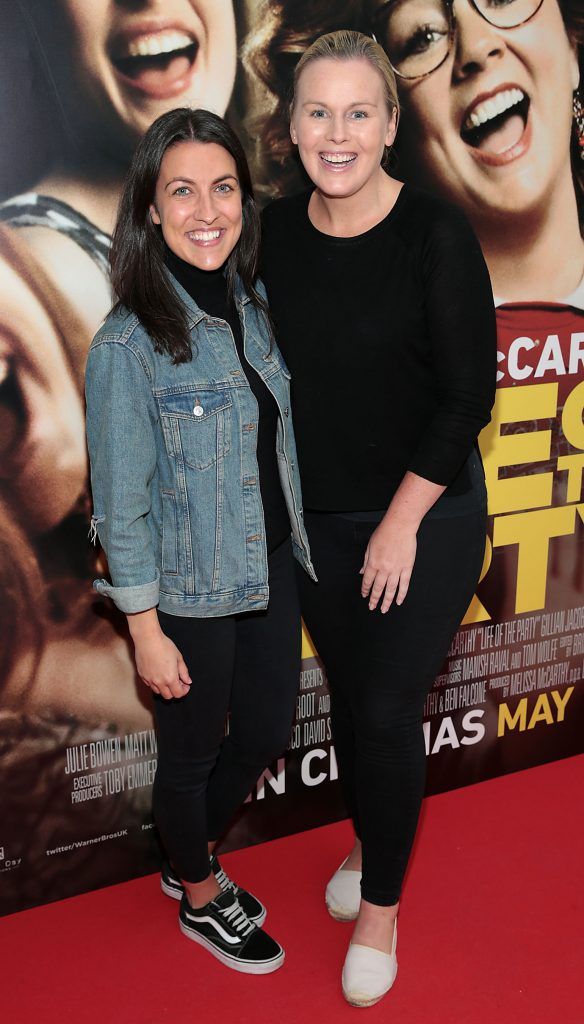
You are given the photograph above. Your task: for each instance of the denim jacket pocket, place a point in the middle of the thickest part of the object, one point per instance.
(196, 425)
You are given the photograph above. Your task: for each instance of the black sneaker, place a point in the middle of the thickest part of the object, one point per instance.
(224, 929)
(171, 884)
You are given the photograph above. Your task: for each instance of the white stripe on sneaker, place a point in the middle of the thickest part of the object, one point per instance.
(233, 940)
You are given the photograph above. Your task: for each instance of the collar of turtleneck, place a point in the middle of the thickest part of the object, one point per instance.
(208, 288)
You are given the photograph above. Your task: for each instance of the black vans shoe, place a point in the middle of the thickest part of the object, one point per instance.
(224, 929)
(171, 884)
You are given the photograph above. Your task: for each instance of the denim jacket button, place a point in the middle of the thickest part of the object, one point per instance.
(198, 409)
(286, 411)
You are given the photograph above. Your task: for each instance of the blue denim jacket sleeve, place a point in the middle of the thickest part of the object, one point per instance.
(122, 452)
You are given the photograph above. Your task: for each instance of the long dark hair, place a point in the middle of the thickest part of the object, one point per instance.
(138, 277)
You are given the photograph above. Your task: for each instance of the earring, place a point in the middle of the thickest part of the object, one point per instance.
(578, 110)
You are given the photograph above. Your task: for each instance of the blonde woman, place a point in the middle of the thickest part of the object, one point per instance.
(384, 312)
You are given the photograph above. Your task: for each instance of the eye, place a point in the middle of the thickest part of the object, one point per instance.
(319, 113)
(422, 40)
(224, 189)
(182, 190)
(359, 115)
(12, 413)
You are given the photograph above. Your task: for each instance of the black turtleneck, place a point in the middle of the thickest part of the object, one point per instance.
(208, 288)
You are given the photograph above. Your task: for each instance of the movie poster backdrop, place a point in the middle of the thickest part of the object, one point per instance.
(491, 129)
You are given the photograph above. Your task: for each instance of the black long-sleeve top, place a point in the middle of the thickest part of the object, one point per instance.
(391, 341)
(209, 290)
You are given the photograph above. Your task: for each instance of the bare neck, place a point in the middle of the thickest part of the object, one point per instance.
(538, 257)
(352, 215)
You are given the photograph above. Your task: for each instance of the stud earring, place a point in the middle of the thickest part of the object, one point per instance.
(578, 109)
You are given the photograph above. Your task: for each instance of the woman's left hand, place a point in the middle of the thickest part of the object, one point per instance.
(388, 563)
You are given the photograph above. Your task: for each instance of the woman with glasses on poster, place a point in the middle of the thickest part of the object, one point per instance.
(495, 124)
(383, 306)
(197, 504)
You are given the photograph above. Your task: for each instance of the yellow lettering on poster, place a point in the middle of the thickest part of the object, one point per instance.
(541, 712)
(476, 610)
(572, 423)
(532, 531)
(308, 648)
(519, 405)
(561, 701)
(573, 464)
(509, 721)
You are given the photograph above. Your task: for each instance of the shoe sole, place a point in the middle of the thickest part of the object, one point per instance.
(340, 914)
(356, 1001)
(169, 890)
(244, 967)
(177, 894)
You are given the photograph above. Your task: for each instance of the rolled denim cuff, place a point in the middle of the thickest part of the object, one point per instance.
(131, 599)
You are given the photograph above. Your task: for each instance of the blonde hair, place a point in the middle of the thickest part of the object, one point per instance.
(347, 44)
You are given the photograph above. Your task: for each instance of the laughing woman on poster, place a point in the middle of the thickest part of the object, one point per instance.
(196, 492)
(494, 122)
(384, 308)
(496, 125)
(101, 73)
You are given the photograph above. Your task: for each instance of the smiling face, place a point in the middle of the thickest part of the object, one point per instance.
(341, 124)
(198, 203)
(490, 128)
(119, 65)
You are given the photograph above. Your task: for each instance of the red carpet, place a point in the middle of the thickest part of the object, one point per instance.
(490, 932)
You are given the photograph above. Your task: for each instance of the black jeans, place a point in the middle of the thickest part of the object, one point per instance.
(380, 669)
(248, 665)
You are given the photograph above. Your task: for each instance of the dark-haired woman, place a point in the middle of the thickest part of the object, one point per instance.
(196, 493)
(384, 307)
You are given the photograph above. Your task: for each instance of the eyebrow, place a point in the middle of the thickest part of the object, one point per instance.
(191, 181)
(357, 103)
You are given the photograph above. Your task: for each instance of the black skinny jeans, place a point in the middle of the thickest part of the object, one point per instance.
(380, 669)
(248, 665)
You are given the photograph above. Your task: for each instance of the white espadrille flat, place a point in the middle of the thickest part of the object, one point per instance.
(343, 894)
(368, 973)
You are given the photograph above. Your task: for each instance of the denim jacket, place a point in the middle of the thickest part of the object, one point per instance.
(174, 474)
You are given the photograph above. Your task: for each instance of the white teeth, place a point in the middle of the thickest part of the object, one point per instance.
(204, 236)
(338, 158)
(162, 42)
(494, 106)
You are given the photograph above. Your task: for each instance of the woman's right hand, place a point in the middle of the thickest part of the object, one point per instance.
(158, 660)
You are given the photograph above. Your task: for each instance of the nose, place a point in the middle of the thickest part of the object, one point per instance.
(205, 209)
(337, 129)
(477, 42)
